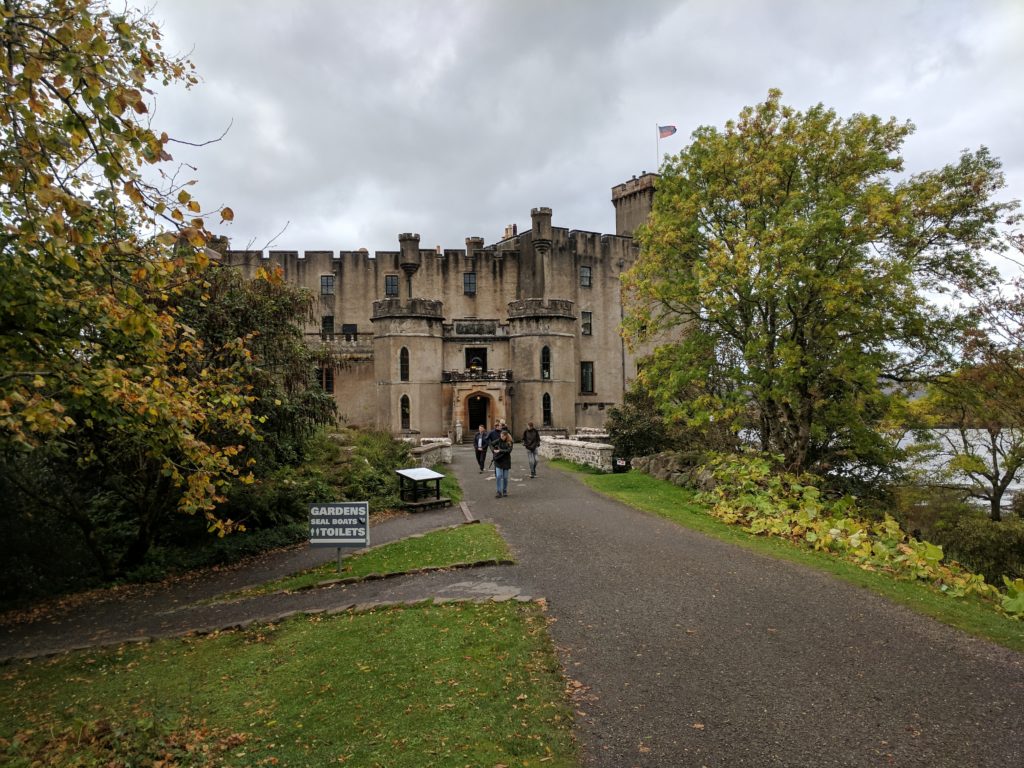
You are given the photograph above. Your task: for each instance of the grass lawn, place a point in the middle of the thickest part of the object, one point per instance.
(447, 548)
(429, 685)
(677, 504)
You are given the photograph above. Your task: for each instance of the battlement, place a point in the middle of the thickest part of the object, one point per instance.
(425, 308)
(541, 308)
(639, 183)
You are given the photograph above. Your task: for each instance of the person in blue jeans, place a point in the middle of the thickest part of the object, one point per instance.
(480, 445)
(501, 453)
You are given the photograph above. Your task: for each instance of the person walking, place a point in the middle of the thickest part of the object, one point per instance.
(494, 435)
(531, 442)
(502, 457)
(480, 446)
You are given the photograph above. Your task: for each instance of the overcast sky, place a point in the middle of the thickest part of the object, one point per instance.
(354, 121)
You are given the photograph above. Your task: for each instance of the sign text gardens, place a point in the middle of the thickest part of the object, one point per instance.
(339, 524)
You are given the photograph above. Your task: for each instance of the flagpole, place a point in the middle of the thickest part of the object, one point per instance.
(657, 146)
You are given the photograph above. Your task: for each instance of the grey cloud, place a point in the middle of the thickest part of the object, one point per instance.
(358, 120)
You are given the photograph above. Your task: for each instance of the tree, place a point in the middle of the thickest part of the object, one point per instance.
(971, 429)
(92, 350)
(803, 269)
(974, 418)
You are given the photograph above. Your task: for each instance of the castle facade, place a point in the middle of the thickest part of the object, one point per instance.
(435, 342)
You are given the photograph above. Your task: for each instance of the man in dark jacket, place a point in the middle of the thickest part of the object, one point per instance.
(531, 442)
(502, 451)
(480, 444)
(494, 435)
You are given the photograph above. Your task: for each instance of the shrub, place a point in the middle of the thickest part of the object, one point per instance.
(749, 491)
(990, 548)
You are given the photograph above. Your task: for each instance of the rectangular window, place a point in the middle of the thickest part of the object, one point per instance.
(327, 326)
(390, 285)
(351, 331)
(585, 277)
(469, 283)
(587, 377)
(587, 322)
(327, 379)
(326, 285)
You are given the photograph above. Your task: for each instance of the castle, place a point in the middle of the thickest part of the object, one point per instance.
(436, 342)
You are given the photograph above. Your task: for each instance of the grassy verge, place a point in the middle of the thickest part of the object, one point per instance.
(428, 685)
(438, 549)
(449, 484)
(677, 504)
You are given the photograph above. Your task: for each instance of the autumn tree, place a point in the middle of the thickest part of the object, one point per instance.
(804, 268)
(92, 348)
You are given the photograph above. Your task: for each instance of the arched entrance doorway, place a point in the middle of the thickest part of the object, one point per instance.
(478, 410)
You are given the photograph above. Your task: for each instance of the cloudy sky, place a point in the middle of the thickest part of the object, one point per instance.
(353, 121)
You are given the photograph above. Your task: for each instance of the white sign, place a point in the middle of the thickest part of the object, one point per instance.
(339, 524)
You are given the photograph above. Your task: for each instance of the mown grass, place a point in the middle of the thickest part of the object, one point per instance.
(678, 505)
(449, 483)
(438, 549)
(409, 687)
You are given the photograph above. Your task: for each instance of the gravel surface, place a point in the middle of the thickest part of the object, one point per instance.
(681, 650)
(690, 652)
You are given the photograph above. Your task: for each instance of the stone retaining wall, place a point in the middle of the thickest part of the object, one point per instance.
(433, 450)
(597, 455)
(678, 469)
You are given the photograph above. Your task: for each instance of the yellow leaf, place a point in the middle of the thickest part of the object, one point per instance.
(226, 214)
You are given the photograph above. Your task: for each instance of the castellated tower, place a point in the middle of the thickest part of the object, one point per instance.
(542, 340)
(633, 201)
(408, 340)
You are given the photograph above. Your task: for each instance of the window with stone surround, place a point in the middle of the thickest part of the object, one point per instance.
(326, 285)
(403, 364)
(469, 283)
(585, 277)
(406, 412)
(326, 376)
(390, 285)
(326, 326)
(547, 409)
(586, 377)
(587, 322)
(545, 363)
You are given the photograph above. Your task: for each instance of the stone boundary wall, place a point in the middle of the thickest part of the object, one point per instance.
(433, 450)
(597, 455)
(677, 469)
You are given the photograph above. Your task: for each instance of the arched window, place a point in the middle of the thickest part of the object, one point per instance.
(405, 412)
(403, 364)
(547, 408)
(545, 363)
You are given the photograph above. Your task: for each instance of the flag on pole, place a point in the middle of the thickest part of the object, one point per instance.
(664, 131)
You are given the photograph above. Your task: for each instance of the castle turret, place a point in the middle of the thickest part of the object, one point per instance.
(409, 258)
(541, 218)
(633, 203)
(542, 336)
(407, 361)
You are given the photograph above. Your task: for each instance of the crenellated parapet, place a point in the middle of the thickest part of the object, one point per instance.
(422, 308)
(524, 308)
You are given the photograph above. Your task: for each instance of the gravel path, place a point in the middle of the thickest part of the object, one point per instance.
(692, 652)
(682, 650)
